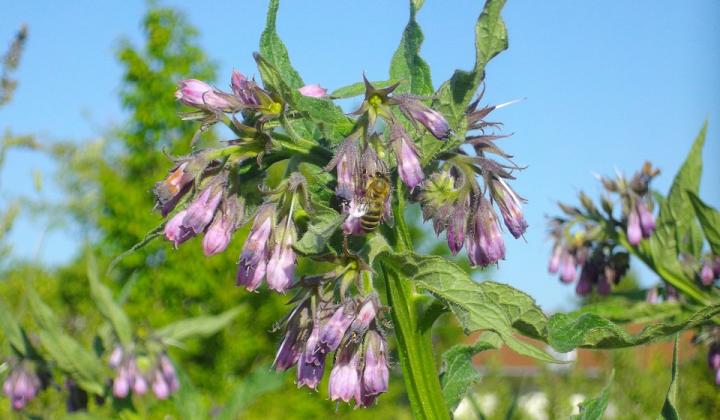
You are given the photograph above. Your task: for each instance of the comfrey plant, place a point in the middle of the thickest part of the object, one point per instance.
(597, 241)
(310, 183)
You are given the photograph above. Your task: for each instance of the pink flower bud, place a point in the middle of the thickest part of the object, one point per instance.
(333, 330)
(244, 89)
(554, 263)
(344, 381)
(197, 94)
(647, 222)
(313, 91)
(634, 232)
(707, 275)
(281, 266)
(428, 117)
(160, 386)
(174, 230)
(219, 233)
(375, 372)
(510, 207)
(485, 245)
(567, 268)
(121, 386)
(116, 357)
(200, 212)
(406, 154)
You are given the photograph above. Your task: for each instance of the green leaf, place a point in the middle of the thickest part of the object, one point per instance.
(321, 110)
(407, 64)
(321, 227)
(619, 309)
(79, 363)
(107, 306)
(677, 216)
(669, 412)
(358, 88)
(569, 331)
(202, 326)
(13, 332)
(709, 219)
(594, 408)
(273, 49)
(458, 371)
(188, 399)
(478, 306)
(260, 381)
(490, 39)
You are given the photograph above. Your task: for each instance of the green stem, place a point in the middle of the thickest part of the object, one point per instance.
(413, 336)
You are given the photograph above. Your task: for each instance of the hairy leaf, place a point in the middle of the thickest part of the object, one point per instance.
(358, 88)
(478, 306)
(677, 215)
(107, 306)
(406, 64)
(79, 363)
(13, 332)
(274, 50)
(569, 331)
(490, 39)
(458, 372)
(709, 219)
(594, 408)
(200, 326)
(258, 382)
(619, 309)
(669, 412)
(321, 227)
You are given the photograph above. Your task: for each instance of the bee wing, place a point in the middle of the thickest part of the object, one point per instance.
(388, 217)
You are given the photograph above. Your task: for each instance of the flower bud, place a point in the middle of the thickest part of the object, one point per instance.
(311, 364)
(375, 372)
(647, 222)
(585, 283)
(173, 187)
(634, 232)
(415, 110)
(367, 313)
(200, 212)
(331, 333)
(116, 357)
(567, 268)
(510, 207)
(554, 263)
(174, 230)
(21, 386)
(344, 381)
(121, 385)
(406, 153)
(485, 245)
(347, 166)
(707, 276)
(456, 227)
(289, 352)
(652, 296)
(197, 94)
(139, 384)
(281, 266)
(160, 387)
(313, 91)
(604, 285)
(168, 371)
(220, 231)
(244, 89)
(252, 265)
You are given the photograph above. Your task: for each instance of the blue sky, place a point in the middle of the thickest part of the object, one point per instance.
(608, 85)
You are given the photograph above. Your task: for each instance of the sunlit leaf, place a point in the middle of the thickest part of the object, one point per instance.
(321, 227)
(594, 408)
(274, 50)
(406, 64)
(709, 219)
(202, 326)
(669, 412)
(107, 306)
(458, 372)
(13, 332)
(569, 331)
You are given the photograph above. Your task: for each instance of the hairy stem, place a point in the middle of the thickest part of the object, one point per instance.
(413, 336)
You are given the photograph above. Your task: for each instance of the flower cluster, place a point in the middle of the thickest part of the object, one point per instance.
(585, 239)
(352, 329)
(139, 373)
(282, 167)
(459, 205)
(22, 385)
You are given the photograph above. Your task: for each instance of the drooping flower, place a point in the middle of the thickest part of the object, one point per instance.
(647, 222)
(406, 153)
(707, 275)
(174, 230)
(331, 333)
(345, 381)
(347, 165)
(375, 370)
(567, 268)
(417, 111)
(510, 207)
(634, 232)
(281, 265)
(311, 365)
(21, 386)
(485, 244)
(173, 187)
(200, 212)
(252, 264)
(220, 231)
(198, 94)
(313, 91)
(554, 263)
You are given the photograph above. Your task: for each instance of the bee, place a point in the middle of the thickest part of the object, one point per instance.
(377, 190)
